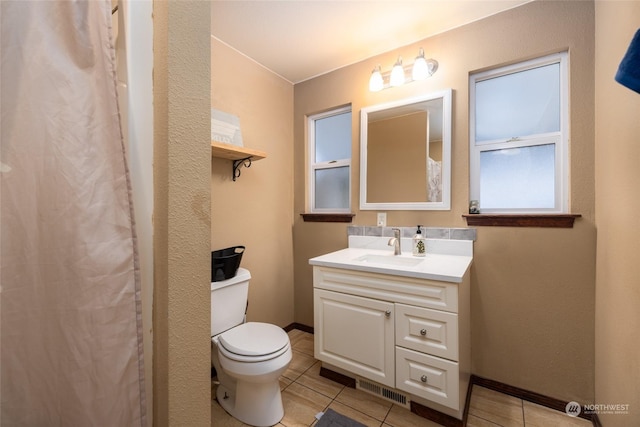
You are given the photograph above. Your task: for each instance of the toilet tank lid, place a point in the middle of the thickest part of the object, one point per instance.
(243, 275)
(254, 339)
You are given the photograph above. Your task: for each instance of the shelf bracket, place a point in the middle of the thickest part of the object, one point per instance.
(246, 162)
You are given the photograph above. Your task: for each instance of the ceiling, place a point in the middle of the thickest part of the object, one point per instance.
(302, 39)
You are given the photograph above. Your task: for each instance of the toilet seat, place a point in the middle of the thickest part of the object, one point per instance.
(253, 342)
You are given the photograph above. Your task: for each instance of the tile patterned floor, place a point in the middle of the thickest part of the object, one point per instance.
(305, 393)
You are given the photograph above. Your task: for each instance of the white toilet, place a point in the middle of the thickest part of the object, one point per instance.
(248, 357)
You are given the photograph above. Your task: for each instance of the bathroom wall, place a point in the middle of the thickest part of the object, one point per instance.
(181, 216)
(532, 288)
(617, 206)
(256, 210)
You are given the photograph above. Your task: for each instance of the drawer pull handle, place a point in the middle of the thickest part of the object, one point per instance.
(387, 313)
(423, 378)
(423, 332)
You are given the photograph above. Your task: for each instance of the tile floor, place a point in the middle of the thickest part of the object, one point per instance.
(305, 393)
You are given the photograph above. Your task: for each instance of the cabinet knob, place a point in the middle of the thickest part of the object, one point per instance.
(423, 378)
(423, 332)
(387, 313)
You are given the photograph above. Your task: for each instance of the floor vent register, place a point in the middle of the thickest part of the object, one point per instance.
(383, 392)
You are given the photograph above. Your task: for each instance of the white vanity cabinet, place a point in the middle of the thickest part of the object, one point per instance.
(410, 334)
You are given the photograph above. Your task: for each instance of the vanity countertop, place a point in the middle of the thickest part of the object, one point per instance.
(446, 260)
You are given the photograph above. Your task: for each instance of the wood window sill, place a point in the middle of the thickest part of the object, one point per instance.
(529, 220)
(327, 217)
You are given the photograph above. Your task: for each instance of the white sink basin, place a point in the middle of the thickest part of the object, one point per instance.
(389, 260)
(446, 260)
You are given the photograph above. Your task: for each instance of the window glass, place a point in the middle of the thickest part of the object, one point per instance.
(518, 178)
(333, 137)
(518, 135)
(518, 104)
(330, 161)
(332, 188)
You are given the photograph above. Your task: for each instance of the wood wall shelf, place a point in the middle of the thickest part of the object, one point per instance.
(239, 155)
(233, 152)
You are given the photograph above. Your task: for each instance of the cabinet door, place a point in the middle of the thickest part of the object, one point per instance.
(355, 334)
(428, 331)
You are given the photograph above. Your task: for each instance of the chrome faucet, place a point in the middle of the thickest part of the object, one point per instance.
(395, 242)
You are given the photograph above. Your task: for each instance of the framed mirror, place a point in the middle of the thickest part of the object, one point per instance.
(405, 154)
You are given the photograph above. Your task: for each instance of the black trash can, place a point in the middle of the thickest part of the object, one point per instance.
(225, 263)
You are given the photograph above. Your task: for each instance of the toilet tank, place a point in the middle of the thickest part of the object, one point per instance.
(229, 301)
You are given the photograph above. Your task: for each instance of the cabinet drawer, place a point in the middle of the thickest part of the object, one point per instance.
(428, 331)
(405, 290)
(428, 377)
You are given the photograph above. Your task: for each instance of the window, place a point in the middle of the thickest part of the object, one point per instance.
(330, 161)
(519, 137)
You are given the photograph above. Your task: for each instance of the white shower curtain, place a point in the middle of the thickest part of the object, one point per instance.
(70, 318)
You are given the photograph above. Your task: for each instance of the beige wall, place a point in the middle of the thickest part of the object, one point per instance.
(182, 220)
(617, 378)
(256, 210)
(532, 289)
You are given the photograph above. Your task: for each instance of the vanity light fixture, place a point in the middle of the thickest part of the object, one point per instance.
(420, 69)
(397, 77)
(376, 83)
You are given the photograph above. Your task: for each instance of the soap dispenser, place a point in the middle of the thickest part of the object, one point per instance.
(419, 244)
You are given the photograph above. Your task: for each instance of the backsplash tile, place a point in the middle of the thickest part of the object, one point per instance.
(429, 232)
(463, 233)
(355, 230)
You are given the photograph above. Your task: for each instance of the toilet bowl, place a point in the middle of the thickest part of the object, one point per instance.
(249, 358)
